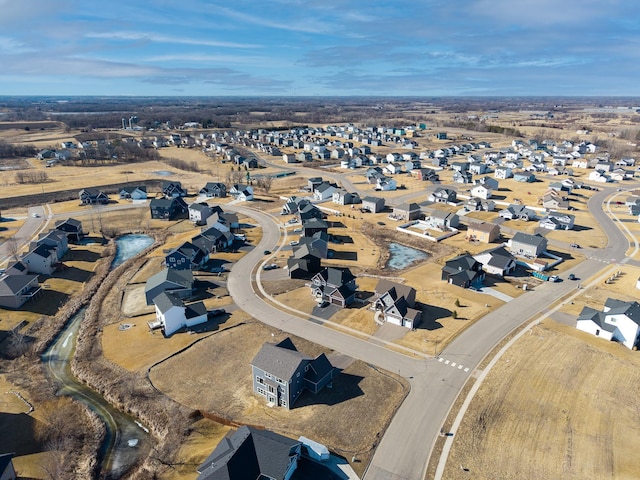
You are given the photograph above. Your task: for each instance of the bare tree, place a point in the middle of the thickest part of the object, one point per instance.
(264, 183)
(13, 247)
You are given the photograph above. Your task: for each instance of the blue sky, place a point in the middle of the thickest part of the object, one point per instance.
(328, 47)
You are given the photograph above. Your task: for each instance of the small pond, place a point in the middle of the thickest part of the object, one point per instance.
(163, 173)
(130, 245)
(401, 257)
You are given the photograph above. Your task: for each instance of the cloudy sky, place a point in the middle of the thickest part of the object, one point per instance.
(328, 47)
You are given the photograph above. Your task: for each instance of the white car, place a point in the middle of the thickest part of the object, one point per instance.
(294, 243)
(35, 215)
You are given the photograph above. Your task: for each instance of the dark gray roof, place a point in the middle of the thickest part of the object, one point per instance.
(318, 369)
(183, 278)
(195, 310)
(12, 284)
(279, 360)
(618, 307)
(529, 239)
(70, 221)
(5, 460)
(249, 454)
(166, 300)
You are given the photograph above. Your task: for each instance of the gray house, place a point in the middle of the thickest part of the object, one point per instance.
(178, 282)
(373, 204)
(249, 453)
(15, 290)
(280, 373)
(528, 245)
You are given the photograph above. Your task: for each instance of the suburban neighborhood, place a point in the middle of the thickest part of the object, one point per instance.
(279, 302)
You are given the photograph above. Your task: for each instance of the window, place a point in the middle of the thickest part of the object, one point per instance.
(267, 374)
(260, 380)
(261, 391)
(284, 403)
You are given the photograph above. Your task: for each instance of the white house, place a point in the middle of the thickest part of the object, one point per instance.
(324, 191)
(242, 192)
(173, 314)
(385, 184)
(481, 191)
(618, 321)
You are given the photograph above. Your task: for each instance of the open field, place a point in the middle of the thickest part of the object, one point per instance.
(348, 418)
(559, 404)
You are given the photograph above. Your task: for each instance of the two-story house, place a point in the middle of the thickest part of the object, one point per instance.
(334, 285)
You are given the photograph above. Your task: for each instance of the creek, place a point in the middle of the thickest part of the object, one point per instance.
(126, 441)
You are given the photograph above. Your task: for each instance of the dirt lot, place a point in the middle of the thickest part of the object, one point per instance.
(568, 410)
(219, 381)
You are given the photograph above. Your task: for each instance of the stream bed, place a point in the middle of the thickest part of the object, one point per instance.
(126, 441)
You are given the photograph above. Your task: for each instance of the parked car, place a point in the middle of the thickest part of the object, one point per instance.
(554, 278)
(572, 276)
(294, 243)
(35, 215)
(218, 269)
(271, 266)
(267, 252)
(575, 245)
(297, 230)
(216, 313)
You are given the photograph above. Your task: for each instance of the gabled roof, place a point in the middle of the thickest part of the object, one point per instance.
(12, 284)
(166, 300)
(318, 369)
(182, 278)
(279, 359)
(75, 224)
(460, 263)
(249, 454)
(618, 307)
(528, 239)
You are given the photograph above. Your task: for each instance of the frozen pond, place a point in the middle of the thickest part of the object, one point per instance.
(163, 173)
(130, 245)
(401, 257)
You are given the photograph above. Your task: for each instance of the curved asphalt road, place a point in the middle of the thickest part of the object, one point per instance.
(435, 384)
(406, 446)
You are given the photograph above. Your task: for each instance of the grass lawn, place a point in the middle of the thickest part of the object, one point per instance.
(348, 418)
(559, 404)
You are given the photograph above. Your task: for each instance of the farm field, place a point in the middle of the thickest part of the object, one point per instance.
(568, 410)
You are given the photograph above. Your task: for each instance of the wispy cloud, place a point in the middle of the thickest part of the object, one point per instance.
(308, 25)
(153, 37)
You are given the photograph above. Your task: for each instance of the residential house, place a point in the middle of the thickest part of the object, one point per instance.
(474, 204)
(460, 166)
(527, 245)
(186, 257)
(477, 168)
(214, 190)
(497, 261)
(463, 271)
(281, 373)
(138, 192)
(342, 197)
(463, 177)
(524, 176)
(558, 221)
(442, 220)
(312, 226)
(241, 192)
(395, 303)
(7, 471)
(168, 208)
(324, 191)
(385, 184)
(373, 204)
(16, 289)
(178, 282)
(73, 229)
(250, 453)
(481, 191)
(552, 200)
(426, 174)
(173, 314)
(289, 158)
(42, 259)
(503, 173)
(517, 212)
(443, 195)
(484, 232)
(619, 321)
(219, 238)
(407, 212)
(313, 182)
(304, 263)
(318, 244)
(55, 239)
(173, 189)
(93, 196)
(199, 212)
(334, 285)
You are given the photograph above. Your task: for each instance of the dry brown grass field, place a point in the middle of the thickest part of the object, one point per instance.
(339, 417)
(559, 404)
